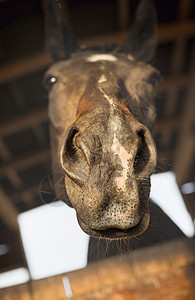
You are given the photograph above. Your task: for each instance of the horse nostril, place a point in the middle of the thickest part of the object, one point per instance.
(70, 148)
(143, 154)
(74, 158)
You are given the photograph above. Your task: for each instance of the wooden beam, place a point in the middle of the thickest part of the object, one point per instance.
(165, 155)
(22, 292)
(178, 54)
(40, 134)
(166, 33)
(8, 212)
(24, 66)
(25, 161)
(22, 121)
(166, 124)
(12, 174)
(14, 178)
(171, 102)
(4, 151)
(21, 194)
(41, 60)
(170, 32)
(123, 14)
(164, 271)
(142, 274)
(174, 81)
(184, 9)
(186, 145)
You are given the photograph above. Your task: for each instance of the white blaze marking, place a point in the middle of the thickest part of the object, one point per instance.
(130, 57)
(106, 96)
(115, 125)
(124, 157)
(97, 57)
(102, 79)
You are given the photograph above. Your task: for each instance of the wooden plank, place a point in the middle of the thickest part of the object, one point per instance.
(25, 161)
(174, 81)
(146, 274)
(4, 151)
(166, 124)
(184, 9)
(28, 198)
(14, 178)
(41, 60)
(8, 212)
(184, 154)
(22, 121)
(40, 134)
(49, 289)
(171, 101)
(164, 272)
(12, 174)
(160, 272)
(21, 292)
(123, 14)
(186, 146)
(24, 66)
(178, 55)
(172, 122)
(170, 32)
(21, 193)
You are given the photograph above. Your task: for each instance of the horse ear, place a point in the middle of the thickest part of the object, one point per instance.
(59, 38)
(141, 40)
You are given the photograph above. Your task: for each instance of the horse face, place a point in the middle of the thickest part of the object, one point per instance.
(107, 154)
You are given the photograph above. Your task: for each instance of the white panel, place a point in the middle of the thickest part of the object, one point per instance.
(166, 194)
(53, 241)
(14, 277)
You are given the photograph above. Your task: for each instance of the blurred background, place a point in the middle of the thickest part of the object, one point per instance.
(24, 131)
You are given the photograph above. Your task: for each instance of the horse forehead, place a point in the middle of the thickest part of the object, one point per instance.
(84, 63)
(99, 69)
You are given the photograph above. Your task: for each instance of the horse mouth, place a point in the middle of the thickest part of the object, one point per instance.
(115, 233)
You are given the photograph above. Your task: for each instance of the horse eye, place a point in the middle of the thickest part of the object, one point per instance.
(49, 82)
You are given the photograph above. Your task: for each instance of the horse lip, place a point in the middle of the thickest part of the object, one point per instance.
(115, 233)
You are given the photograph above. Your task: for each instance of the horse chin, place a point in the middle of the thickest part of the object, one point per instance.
(115, 233)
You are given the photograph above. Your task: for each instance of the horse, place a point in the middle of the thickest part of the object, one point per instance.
(101, 111)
